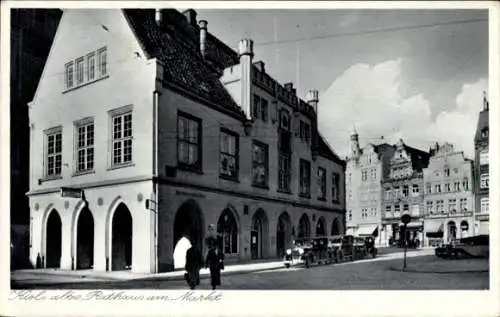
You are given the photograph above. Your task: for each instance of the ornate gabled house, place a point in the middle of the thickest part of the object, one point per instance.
(149, 134)
(403, 194)
(365, 171)
(448, 196)
(481, 171)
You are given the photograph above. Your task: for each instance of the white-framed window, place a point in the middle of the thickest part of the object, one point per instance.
(87, 68)
(397, 208)
(53, 152)
(437, 188)
(397, 193)
(447, 188)
(405, 207)
(321, 183)
(406, 190)
(456, 186)
(229, 153)
(485, 180)
(452, 205)
(80, 70)
(188, 141)
(429, 188)
(85, 146)
(463, 204)
(68, 75)
(447, 172)
(415, 190)
(485, 204)
(305, 177)
(483, 157)
(335, 186)
(429, 207)
(465, 184)
(364, 175)
(388, 208)
(102, 58)
(439, 206)
(122, 137)
(260, 164)
(373, 173)
(91, 66)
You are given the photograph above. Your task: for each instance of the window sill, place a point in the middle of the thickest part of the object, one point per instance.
(84, 84)
(308, 196)
(263, 186)
(187, 168)
(229, 178)
(80, 173)
(118, 166)
(284, 191)
(50, 178)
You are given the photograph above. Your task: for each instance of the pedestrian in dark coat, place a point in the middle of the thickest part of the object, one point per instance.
(194, 262)
(215, 261)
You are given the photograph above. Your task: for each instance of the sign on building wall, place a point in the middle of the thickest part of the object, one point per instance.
(71, 192)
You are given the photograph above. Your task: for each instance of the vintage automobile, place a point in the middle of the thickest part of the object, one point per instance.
(349, 247)
(471, 247)
(308, 252)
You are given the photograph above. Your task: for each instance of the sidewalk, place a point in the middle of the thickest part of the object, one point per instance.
(56, 276)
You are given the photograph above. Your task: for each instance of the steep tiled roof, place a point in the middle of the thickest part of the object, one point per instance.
(325, 150)
(184, 67)
(482, 123)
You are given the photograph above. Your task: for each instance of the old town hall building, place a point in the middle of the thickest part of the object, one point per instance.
(146, 130)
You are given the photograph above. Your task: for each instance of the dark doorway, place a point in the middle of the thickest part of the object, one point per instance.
(85, 240)
(304, 227)
(259, 235)
(283, 234)
(227, 228)
(335, 227)
(53, 246)
(320, 227)
(121, 251)
(188, 223)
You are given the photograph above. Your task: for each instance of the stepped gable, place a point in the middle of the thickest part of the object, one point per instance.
(184, 67)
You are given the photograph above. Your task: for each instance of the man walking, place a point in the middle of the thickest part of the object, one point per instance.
(194, 262)
(215, 261)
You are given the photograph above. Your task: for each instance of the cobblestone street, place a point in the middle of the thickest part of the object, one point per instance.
(376, 274)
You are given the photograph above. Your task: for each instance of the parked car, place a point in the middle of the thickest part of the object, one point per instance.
(471, 247)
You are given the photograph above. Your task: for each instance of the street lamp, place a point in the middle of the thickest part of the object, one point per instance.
(405, 219)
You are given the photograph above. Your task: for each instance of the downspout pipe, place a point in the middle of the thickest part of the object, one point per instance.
(156, 98)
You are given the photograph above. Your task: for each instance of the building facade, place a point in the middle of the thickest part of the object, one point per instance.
(32, 32)
(449, 198)
(481, 171)
(365, 170)
(403, 194)
(200, 139)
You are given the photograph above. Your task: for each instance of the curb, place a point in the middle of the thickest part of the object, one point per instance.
(96, 279)
(202, 276)
(437, 272)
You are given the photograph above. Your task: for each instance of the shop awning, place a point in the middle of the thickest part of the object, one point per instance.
(367, 230)
(414, 224)
(433, 227)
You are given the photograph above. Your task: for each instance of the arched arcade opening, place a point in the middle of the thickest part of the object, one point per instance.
(121, 241)
(188, 229)
(53, 240)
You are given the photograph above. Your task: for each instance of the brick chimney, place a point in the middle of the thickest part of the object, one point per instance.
(203, 37)
(190, 16)
(312, 98)
(245, 49)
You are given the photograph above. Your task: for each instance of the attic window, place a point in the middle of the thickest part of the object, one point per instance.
(204, 87)
(484, 133)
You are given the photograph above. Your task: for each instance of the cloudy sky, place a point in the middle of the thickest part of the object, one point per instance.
(413, 74)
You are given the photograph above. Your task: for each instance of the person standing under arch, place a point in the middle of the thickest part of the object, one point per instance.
(215, 261)
(194, 262)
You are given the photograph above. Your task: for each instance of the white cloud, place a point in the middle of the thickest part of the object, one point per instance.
(368, 97)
